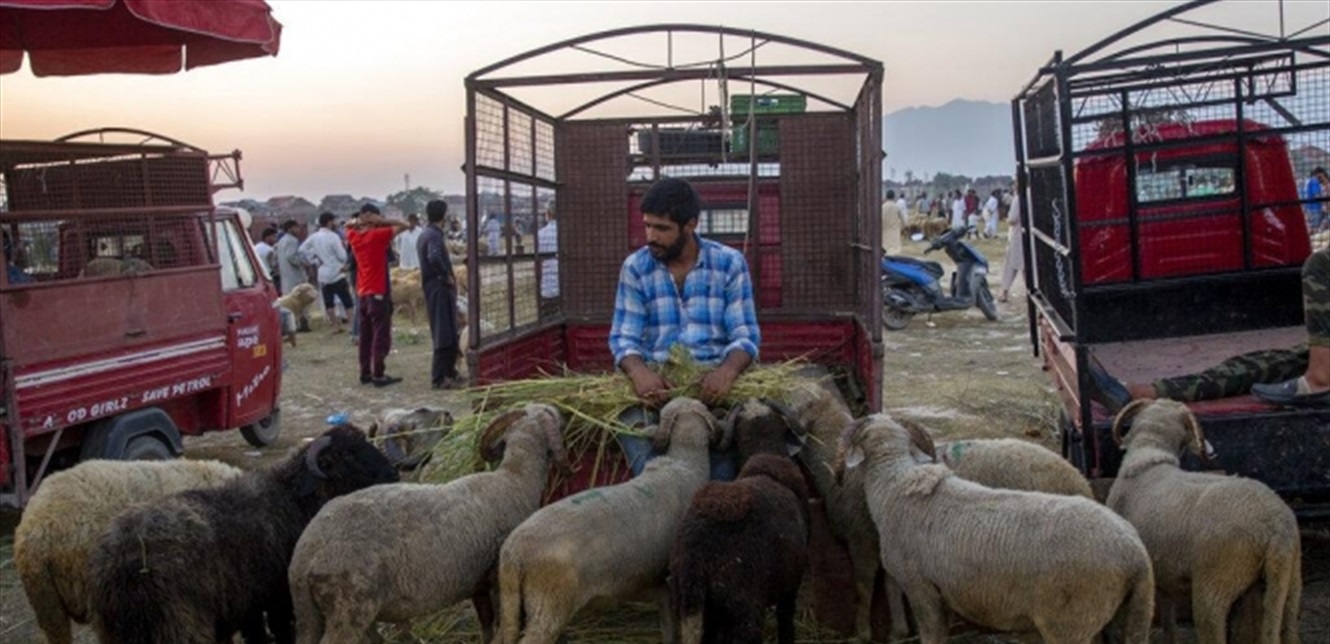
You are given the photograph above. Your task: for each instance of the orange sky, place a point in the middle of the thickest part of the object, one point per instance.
(363, 93)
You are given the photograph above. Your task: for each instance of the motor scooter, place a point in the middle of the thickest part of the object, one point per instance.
(911, 286)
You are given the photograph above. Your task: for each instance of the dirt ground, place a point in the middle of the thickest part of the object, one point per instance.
(958, 374)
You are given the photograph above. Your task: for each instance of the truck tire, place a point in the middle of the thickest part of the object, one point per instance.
(264, 432)
(147, 447)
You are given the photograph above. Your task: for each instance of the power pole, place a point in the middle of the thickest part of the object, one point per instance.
(407, 178)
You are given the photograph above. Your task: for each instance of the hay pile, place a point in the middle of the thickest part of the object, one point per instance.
(591, 405)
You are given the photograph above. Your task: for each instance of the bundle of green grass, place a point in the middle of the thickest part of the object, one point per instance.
(591, 405)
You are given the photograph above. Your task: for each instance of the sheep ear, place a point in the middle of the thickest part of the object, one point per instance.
(373, 429)
(854, 457)
(794, 443)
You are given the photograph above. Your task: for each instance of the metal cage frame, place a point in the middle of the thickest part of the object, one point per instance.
(494, 165)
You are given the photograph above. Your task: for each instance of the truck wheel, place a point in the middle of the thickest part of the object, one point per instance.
(895, 319)
(264, 432)
(983, 298)
(146, 448)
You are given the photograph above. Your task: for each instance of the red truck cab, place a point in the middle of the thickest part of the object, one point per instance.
(139, 312)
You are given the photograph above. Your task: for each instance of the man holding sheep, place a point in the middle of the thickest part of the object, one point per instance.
(682, 289)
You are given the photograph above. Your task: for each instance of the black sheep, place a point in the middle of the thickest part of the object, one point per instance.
(742, 547)
(198, 566)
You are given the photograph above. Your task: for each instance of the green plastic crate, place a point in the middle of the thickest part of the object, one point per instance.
(768, 140)
(768, 104)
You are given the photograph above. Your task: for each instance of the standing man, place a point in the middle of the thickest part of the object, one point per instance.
(682, 289)
(440, 284)
(891, 224)
(405, 243)
(547, 241)
(1318, 187)
(290, 265)
(370, 236)
(327, 252)
(266, 252)
(493, 226)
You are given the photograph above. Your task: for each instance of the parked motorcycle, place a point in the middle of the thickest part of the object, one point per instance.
(911, 286)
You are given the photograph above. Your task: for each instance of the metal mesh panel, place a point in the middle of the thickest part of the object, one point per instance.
(699, 150)
(1048, 213)
(818, 264)
(75, 248)
(545, 150)
(494, 240)
(489, 132)
(593, 203)
(119, 182)
(547, 247)
(521, 156)
(1042, 125)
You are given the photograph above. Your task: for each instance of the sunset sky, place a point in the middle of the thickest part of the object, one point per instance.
(364, 93)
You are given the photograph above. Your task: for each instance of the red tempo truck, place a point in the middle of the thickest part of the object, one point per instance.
(131, 312)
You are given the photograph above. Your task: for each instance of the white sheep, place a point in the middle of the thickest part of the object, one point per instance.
(1013, 464)
(1210, 536)
(1006, 560)
(609, 543)
(70, 509)
(396, 552)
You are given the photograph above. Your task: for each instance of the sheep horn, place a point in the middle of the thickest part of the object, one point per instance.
(312, 455)
(1193, 426)
(727, 428)
(920, 438)
(1123, 416)
(847, 437)
(660, 439)
(554, 436)
(489, 437)
(791, 420)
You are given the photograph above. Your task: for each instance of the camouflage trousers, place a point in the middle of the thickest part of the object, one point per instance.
(1235, 376)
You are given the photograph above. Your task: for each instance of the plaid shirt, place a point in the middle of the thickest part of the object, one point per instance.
(712, 316)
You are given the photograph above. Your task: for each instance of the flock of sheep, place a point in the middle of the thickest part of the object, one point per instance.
(1003, 533)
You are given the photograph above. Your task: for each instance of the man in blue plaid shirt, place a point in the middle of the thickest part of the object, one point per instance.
(682, 289)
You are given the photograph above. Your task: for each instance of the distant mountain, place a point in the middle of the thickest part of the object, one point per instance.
(972, 138)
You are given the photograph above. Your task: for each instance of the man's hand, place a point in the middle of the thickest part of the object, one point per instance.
(651, 388)
(716, 384)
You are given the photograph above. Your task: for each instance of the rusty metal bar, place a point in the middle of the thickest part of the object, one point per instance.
(668, 75)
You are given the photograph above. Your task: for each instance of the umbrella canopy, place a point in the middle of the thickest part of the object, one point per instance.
(77, 37)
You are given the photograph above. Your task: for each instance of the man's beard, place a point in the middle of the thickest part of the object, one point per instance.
(669, 253)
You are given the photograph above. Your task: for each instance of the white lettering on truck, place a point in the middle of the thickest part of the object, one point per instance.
(253, 385)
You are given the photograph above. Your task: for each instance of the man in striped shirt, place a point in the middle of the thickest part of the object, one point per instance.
(682, 289)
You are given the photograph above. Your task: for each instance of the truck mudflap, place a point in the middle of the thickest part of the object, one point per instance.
(108, 438)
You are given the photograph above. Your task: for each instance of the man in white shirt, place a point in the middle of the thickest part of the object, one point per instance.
(891, 224)
(957, 209)
(405, 243)
(547, 241)
(991, 215)
(264, 249)
(326, 250)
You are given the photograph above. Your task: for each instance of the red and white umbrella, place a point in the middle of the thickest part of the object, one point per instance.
(78, 37)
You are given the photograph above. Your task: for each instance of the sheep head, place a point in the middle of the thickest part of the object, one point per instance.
(669, 419)
(892, 438)
(538, 419)
(779, 469)
(766, 426)
(340, 461)
(409, 437)
(1169, 421)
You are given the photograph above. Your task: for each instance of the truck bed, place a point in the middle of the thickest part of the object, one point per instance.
(1149, 360)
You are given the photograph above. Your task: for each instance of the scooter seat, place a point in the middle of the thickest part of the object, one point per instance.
(933, 268)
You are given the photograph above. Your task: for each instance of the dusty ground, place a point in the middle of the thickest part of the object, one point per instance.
(961, 376)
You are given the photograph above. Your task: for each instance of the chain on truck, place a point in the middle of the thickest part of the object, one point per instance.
(132, 311)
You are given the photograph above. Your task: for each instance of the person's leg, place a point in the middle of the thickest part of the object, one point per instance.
(382, 335)
(1311, 385)
(1232, 377)
(366, 340)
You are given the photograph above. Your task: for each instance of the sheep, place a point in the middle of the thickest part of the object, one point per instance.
(396, 552)
(743, 545)
(197, 566)
(70, 509)
(409, 436)
(1013, 464)
(299, 299)
(408, 293)
(113, 266)
(606, 543)
(1211, 536)
(1007, 560)
(821, 410)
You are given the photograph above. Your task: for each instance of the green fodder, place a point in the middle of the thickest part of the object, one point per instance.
(591, 405)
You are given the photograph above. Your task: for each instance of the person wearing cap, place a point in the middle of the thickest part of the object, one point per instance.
(370, 235)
